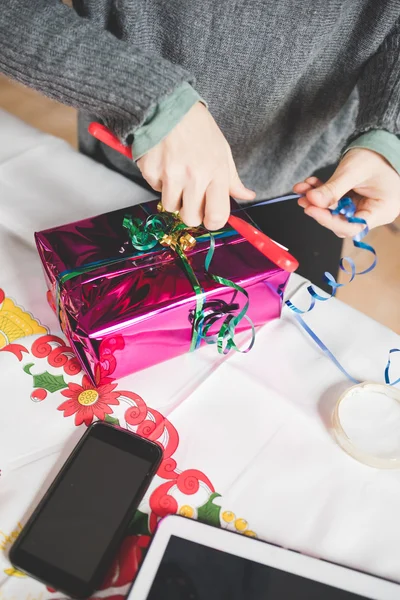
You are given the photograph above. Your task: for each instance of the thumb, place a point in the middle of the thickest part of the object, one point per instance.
(329, 194)
(236, 188)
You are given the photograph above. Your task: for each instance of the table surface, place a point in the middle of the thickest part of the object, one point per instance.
(247, 438)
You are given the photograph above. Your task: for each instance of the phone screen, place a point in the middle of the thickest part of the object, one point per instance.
(90, 501)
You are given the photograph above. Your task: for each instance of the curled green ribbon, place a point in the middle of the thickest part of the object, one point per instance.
(225, 339)
(166, 229)
(145, 236)
(169, 227)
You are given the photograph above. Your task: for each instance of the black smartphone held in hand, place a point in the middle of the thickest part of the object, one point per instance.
(72, 537)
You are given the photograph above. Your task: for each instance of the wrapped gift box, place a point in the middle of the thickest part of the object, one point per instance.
(130, 308)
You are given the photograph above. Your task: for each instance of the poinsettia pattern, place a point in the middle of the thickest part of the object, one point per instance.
(56, 375)
(87, 401)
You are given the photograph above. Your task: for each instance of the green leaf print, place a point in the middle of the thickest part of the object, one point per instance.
(112, 420)
(139, 524)
(210, 512)
(49, 382)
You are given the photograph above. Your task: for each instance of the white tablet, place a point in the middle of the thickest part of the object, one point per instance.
(188, 560)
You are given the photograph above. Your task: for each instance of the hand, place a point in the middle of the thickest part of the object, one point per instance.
(194, 170)
(368, 179)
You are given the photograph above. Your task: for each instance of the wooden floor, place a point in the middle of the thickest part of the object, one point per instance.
(377, 294)
(38, 111)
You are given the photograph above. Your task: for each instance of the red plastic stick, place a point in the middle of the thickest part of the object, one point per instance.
(104, 135)
(281, 257)
(257, 238)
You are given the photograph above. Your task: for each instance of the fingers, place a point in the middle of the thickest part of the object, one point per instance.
(193, 202)
(336, 223)
(371, 183)
(217, 207)
(150, 172)
(373, 211)
(210, 207)
(171, 196)
(305, 186)
(154, 182)
(327, 195)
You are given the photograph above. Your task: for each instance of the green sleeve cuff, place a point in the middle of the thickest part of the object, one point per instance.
(384, 143)
(163, 119)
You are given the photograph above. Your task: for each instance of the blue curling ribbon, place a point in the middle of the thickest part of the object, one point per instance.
(387, 369)
(276, 200)
(347, 209)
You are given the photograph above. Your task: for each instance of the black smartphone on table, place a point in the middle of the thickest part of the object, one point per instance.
(72, 537)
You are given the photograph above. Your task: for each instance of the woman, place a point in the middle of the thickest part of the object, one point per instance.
(289, 86)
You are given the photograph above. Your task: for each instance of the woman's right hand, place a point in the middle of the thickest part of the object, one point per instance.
(194, 170)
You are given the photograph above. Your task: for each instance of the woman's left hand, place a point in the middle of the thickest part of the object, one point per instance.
(368, 179)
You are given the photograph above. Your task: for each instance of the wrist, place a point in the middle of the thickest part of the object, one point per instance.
(383, 143)
(164, 117)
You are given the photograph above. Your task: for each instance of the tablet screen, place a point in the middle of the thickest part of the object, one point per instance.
(191, 571)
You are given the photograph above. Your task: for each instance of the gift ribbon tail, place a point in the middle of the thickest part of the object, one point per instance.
(267, 202)
(324, 348)
(346, 208)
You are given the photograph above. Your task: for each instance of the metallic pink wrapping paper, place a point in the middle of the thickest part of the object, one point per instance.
(136, 312)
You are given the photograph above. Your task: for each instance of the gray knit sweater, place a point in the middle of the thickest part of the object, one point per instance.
(288, 81)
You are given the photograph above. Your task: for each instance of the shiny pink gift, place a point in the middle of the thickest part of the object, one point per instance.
(129, 309)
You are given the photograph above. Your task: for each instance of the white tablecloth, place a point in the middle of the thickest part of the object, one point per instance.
(247, 438)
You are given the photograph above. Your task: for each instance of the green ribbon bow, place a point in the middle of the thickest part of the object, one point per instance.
(168, 230)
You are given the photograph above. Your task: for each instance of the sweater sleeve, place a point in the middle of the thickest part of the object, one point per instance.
(379, 88)
(48, 46)
(384, 143)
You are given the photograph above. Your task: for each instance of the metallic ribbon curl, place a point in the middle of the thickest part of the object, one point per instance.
(225, 339)
(347, 209)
